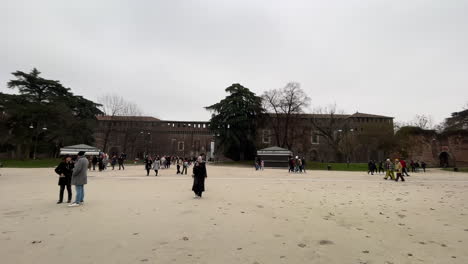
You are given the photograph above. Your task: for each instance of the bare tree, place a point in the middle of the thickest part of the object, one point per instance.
(331, 124)
(285, 105)
(422, 121)
(114, 106)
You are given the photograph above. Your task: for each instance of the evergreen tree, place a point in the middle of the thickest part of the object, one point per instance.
(43, 117)
(234, 121)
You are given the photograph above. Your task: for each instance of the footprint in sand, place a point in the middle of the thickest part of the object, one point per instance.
(301, 245)
(326, 242)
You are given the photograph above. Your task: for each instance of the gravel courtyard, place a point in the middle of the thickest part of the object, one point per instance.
(246, 216)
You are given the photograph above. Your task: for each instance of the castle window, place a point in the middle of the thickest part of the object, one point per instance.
(315, 138)
(180, 146)
(266, 139)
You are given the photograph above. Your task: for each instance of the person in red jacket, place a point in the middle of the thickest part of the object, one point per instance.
(405, 169)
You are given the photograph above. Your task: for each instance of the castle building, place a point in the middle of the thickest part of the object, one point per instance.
(354, 138)
(140, 135)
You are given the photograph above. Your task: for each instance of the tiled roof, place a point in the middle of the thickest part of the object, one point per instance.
(357, 114)
(127, 118)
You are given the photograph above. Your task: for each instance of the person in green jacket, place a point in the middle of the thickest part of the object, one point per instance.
(390, 170)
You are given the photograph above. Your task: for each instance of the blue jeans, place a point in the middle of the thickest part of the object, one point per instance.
(79, 193)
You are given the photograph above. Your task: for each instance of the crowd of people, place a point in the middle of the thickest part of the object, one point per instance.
(297, 164)
(103, 160)
(400, 167)
(259, 164)
(156, 163)
(73, 171)
(382, 167)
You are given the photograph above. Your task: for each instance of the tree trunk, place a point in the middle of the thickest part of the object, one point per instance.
(106, 136)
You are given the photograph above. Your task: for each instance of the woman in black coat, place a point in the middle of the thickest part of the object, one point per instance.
(199, 175)
(65, 170)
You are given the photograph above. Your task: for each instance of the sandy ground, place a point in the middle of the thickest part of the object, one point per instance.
(245, 217)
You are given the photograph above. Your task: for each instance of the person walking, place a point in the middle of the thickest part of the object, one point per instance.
(390, 167)
(156, 166)
(185, 165)
(405, 167)
(291, 164)
(148, 163)
(79, 178)
(121, 162)
(370, 167)
(413, 167)
(303, 164)
(113, 161)
(399, 170)
(381, 167)
(178, 163)
(199, 175)
(94, 161)
(423, 166)
(65, 170)
(299, 164)
(100, 162)
(89, 163)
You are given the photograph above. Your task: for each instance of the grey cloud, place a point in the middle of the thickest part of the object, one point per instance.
(397, 58)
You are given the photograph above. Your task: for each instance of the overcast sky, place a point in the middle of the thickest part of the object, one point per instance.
(396, 57)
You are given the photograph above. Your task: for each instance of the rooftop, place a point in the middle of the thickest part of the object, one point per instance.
(127, 118)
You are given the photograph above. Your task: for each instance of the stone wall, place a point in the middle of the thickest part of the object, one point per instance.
(439, 150)
(138, 136)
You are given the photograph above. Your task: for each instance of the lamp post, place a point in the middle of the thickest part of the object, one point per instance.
(145, 135)
(346, 143)
(44, 128)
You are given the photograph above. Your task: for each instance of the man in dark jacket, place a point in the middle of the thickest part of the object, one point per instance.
(94, 161)
(80, 178)
(65, 170)
(199, 175)
(121, 161)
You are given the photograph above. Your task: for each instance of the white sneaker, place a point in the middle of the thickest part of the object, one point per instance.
(73, 205)
(196, 197)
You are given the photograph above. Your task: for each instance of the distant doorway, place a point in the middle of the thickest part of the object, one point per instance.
(314, 155)
(444, 159)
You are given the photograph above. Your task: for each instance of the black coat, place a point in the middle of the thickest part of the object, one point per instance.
(66, 169)
(199, 175)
